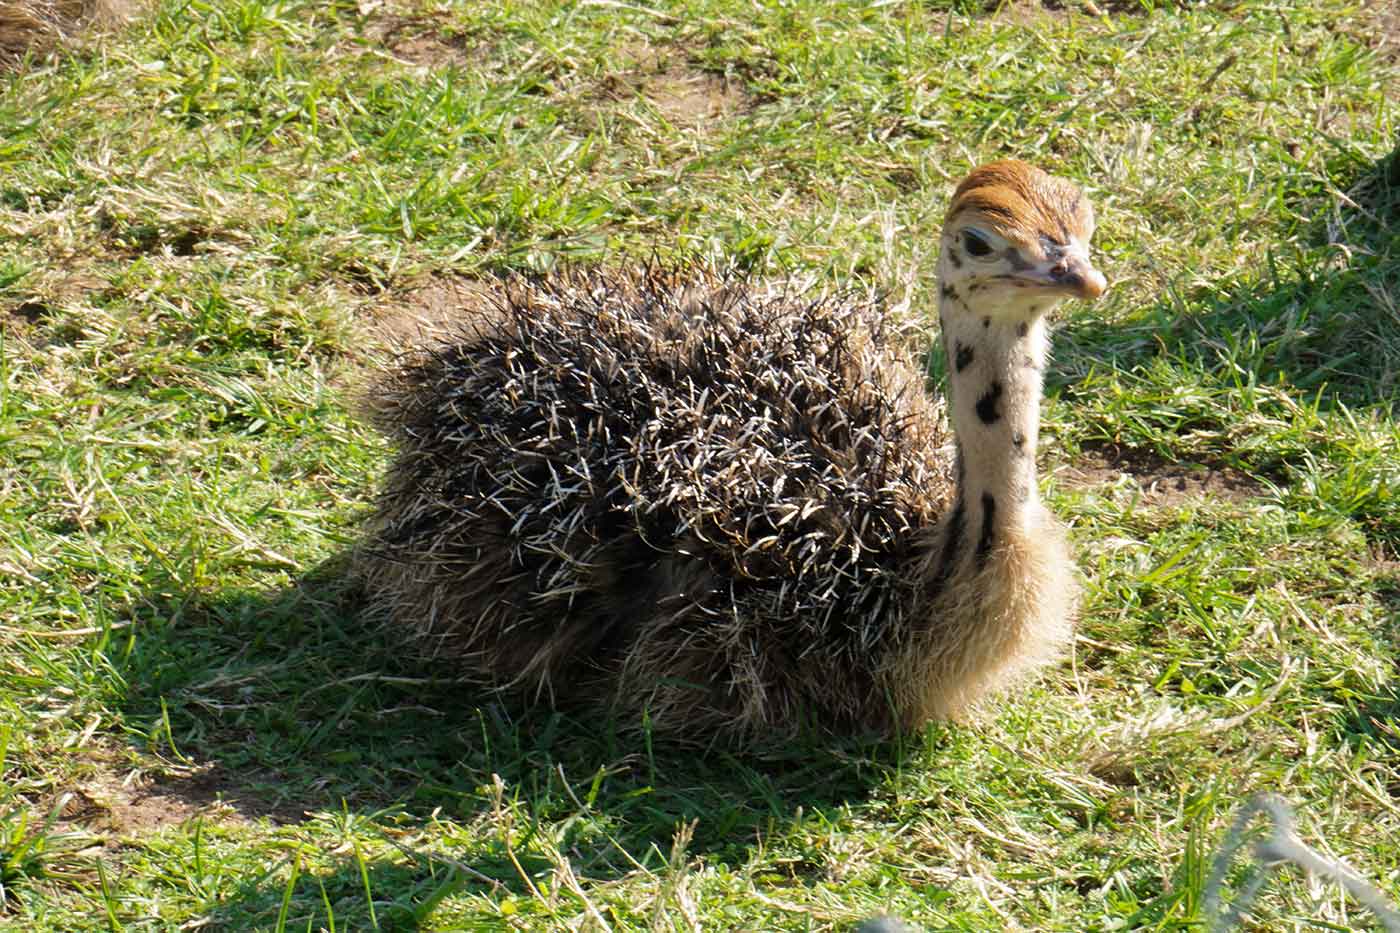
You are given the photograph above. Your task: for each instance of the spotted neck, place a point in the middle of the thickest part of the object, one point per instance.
(995, 365)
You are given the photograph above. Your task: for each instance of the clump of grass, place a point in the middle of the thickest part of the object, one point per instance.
(31, 850)
(25, 850)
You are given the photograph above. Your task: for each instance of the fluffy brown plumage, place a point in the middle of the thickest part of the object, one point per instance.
(691, 498)
(36, 26)
(728, 508)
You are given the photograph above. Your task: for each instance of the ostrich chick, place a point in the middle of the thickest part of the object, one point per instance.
(733, 509)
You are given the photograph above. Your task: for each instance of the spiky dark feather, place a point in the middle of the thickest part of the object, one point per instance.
(666, 491)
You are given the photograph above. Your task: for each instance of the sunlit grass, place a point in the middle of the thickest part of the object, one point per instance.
(202, 218)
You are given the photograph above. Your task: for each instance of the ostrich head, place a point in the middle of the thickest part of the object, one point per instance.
(1016, 242)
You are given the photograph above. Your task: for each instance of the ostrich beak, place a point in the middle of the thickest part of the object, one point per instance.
(1081, 278)
(1071, 273)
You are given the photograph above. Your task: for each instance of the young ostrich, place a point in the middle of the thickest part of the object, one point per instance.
(734, 510)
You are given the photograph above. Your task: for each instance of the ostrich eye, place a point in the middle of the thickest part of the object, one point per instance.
(975, 245)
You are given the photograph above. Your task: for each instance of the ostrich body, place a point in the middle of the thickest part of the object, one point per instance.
(734, 509)
(36, 26)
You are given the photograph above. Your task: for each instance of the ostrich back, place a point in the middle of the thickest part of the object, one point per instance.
(693, 496)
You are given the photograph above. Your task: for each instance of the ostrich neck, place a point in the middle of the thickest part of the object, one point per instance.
(995, 363)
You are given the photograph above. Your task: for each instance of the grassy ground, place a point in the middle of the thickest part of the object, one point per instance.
(205, 219)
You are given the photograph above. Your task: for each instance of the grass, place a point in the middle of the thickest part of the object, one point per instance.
(202, 217)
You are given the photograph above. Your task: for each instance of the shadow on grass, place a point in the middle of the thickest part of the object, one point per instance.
(291, 707)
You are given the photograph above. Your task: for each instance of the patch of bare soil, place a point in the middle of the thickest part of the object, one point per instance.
(1030, 12)
(106, 806)
(24, 316)
(423, 40)
(683, 94)
(1163, 483)
(110, 806)
(51, 297)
